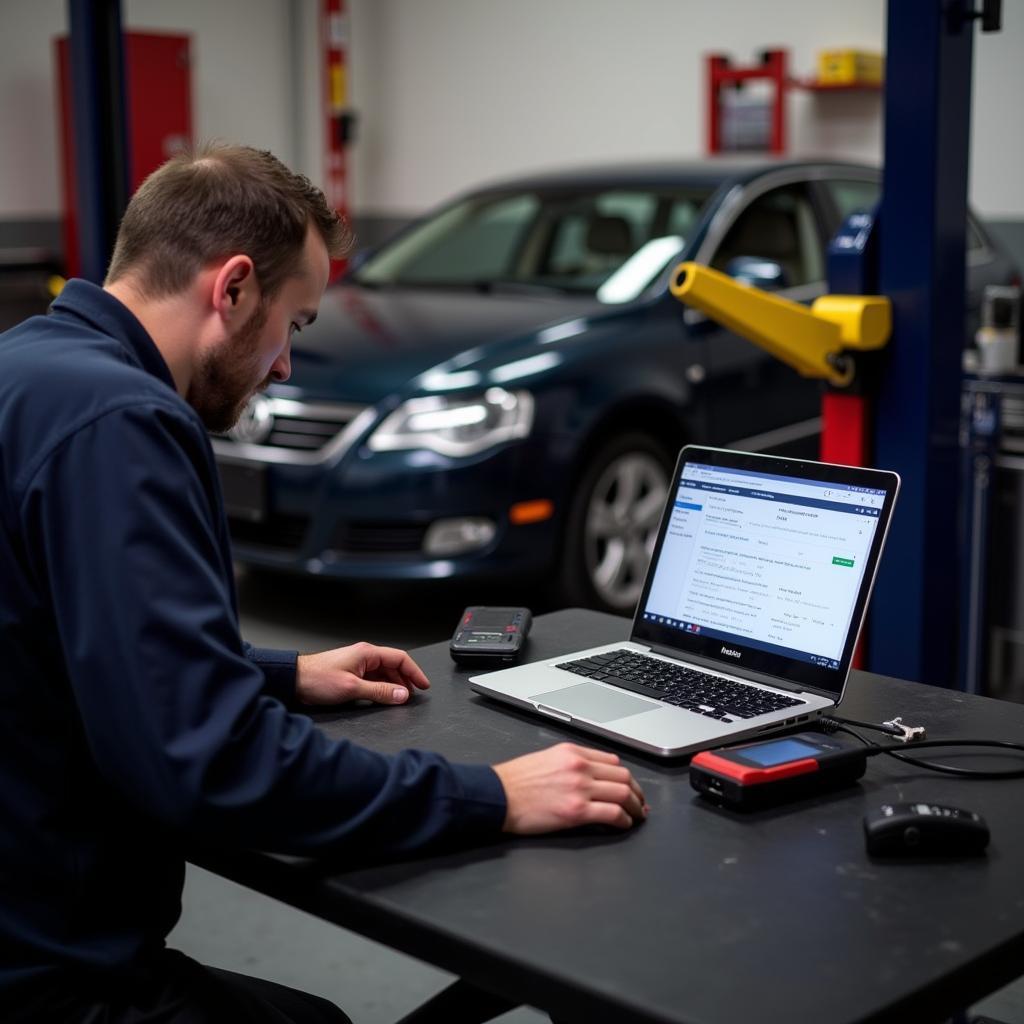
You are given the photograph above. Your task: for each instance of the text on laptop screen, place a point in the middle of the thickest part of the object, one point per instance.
(769, 562)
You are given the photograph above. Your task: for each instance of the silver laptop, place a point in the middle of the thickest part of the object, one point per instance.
(749, 615)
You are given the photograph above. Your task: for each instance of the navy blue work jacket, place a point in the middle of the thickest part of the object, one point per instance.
(133, 720)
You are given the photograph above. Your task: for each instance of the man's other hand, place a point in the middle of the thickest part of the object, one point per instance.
(363, 671)
(567, 786)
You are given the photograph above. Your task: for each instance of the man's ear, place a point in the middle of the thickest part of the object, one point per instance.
(235, 291)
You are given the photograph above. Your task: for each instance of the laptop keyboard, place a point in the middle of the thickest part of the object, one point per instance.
(679, 685)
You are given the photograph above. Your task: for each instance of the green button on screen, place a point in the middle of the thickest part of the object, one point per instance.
(836, 560)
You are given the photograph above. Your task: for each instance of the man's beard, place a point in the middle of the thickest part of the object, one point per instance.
(227, 378)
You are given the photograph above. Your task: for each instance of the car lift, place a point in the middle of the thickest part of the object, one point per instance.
(825, 341)
(907, 259)
(816, 342)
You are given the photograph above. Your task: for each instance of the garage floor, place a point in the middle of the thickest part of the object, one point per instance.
(232, 927)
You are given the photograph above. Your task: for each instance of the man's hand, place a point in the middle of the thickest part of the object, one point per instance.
(363, 671)
(566, 786)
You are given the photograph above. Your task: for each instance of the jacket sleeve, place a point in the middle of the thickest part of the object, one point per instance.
(122, 529)
(279, 668)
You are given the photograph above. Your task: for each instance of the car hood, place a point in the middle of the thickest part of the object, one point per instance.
(368, 343)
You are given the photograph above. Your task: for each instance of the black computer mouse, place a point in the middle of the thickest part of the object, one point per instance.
(924, 830)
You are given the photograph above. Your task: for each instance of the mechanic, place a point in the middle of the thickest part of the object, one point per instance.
(134, 719)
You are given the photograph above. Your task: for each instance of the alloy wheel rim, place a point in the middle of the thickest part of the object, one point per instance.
(621, 526)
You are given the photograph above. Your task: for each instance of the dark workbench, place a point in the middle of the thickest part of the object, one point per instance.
(700, 915)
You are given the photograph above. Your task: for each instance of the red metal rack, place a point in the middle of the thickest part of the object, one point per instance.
(722, 75)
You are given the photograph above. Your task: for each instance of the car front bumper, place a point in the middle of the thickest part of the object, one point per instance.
(368, 515)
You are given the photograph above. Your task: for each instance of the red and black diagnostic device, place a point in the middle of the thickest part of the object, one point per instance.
(773, 770)
(487, 634)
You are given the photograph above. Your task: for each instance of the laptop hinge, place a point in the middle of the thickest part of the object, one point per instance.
(735, 670)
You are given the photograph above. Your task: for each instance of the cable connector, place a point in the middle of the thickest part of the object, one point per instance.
(894, 727)
(905, 733)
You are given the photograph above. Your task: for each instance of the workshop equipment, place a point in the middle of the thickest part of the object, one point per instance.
(850, 67)
(821, 341)
(727, 79)
(339, 121)
(918, 260)
(814, 341)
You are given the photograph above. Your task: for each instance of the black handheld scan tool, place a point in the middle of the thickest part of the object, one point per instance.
(771, 770)
(490, 634)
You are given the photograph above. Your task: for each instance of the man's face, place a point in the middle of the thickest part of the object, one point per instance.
(259, 352)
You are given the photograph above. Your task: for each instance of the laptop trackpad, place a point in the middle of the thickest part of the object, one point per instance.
(598, 703)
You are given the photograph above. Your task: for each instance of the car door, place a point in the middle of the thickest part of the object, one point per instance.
(757, 402)
(985, 265)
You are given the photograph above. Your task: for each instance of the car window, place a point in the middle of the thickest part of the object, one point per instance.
(681, 217)
(636, 208)
(571, 239)
(596, 234)
(853, 196)
(862, 196)
(779, 226)
(474, 241)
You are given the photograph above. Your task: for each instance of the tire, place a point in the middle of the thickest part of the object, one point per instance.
(613, 524)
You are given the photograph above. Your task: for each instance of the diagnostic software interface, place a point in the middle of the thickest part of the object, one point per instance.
(770, 562)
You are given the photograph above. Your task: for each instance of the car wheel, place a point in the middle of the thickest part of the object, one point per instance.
(613, 524)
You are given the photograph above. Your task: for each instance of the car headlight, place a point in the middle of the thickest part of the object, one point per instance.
(456, 425)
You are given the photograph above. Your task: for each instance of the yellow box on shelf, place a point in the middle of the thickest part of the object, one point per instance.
(850, 67)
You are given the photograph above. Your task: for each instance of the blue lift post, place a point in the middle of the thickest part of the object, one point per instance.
(921, 246)
(96, 52)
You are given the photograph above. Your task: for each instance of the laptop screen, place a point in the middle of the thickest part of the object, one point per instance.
(765, 564)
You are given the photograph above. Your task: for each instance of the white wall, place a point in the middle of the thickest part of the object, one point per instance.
(28, 124)
(241, 73)
(241, 82)
(997, 117)
(453, 92)
(458, 91)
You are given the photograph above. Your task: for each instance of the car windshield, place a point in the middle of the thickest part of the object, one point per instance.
(610, 242)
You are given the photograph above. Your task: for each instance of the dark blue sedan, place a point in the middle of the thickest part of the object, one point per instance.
(501, 389)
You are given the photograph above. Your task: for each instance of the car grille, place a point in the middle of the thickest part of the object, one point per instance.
(298, 431)
(359, 538)
(281, 533)
(302, 432)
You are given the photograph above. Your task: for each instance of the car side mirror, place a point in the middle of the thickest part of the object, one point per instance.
(758, 271)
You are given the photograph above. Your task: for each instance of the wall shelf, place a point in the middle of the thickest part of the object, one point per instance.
(740, 118)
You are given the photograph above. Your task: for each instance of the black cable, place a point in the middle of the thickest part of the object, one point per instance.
(899, 751)
(833, 723)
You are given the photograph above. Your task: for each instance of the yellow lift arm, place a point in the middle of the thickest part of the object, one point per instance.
(814, 341)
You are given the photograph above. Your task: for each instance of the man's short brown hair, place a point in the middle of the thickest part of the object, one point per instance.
(216, 202)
